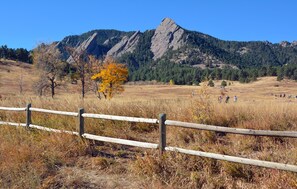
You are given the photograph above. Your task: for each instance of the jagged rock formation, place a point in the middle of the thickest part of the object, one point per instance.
(285, 44)
(108, 41)
(288, 44)
(168, 35)
(125, 45)
(86, 45)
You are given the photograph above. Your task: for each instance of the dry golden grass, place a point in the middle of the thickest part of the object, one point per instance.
(33, 159)
(12, 75)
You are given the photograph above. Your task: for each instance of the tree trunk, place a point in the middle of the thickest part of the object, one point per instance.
(53, 88)
(104, 95)
(83, 87)
(110, 91)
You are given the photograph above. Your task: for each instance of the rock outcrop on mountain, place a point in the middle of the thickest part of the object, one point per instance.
(167, 36)
(125, 45)
(285, 44)
(288, 44)
(87, 46)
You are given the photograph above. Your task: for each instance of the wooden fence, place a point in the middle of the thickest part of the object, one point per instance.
(163, 123)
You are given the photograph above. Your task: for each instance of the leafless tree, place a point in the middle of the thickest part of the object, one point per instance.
(40, 86)
(84, 67)
(47, 59)
(96, 66)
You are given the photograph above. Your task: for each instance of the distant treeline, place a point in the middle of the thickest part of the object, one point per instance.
(19, 54)
(186, 75)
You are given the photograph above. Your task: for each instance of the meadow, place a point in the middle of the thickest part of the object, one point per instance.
(37, 159)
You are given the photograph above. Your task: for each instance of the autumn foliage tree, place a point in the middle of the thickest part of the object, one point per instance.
(111, 77)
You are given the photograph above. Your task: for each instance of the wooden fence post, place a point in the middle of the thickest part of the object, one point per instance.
(162, 129)
(81, 129)
(28, 115)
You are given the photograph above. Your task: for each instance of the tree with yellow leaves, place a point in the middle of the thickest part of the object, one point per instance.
(111, 76)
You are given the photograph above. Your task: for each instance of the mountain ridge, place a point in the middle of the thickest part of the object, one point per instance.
(171, 42)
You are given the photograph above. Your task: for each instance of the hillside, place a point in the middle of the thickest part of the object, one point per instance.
(15, 77)
(171, 52)
(18, 78)
(173, 43)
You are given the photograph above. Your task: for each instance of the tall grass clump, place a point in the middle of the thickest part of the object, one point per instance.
(27, 157)
(202, 107)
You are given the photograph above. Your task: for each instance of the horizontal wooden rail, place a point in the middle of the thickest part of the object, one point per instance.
(89, 136)
(291, 134)
(260, 163)
(121, 141)
(12, 109)
(52, 130)
(38, 127)
(54, 112)
(12, 124)
(120, 118)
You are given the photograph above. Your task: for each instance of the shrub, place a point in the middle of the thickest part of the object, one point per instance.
(210, 83)
(224, 83)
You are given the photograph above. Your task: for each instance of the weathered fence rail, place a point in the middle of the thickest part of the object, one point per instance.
(268, 164)
(162, 134)
(38, 127)
(120, 118)
(121, 141)
(75, 114)
(292, 134)
(12, 109)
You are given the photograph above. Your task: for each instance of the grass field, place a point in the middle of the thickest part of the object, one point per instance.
(33, 159)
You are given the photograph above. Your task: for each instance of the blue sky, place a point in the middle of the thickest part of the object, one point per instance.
(25, 23)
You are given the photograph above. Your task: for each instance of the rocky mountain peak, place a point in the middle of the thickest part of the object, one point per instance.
(168, 21)
(167, 35)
